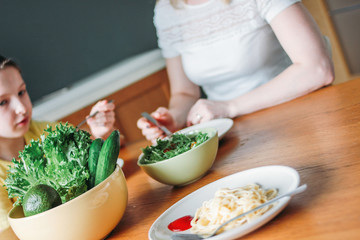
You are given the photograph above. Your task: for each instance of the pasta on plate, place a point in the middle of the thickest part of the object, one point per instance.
(228, 203)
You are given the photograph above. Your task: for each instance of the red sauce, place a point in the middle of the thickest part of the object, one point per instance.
(180, 224)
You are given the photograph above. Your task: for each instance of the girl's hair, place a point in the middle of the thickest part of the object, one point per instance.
(5, 62)
(177, 3)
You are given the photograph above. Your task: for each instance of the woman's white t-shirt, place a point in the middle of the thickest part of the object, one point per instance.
(227, 49)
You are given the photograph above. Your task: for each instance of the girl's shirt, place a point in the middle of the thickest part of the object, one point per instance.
(227, 49)
(35, 130)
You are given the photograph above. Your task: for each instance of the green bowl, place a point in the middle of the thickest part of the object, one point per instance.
(187, 167)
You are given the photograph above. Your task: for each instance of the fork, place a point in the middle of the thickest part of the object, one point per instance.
(188, 236)
(154, 121)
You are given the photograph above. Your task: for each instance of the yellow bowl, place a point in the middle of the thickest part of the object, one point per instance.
(92, 215)
(187, 167)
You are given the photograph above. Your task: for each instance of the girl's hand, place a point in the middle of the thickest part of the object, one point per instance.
(102, 124)
(150, 131)
(205, 110)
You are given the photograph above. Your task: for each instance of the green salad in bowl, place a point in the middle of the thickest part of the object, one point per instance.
(182, 158)
(173, 146)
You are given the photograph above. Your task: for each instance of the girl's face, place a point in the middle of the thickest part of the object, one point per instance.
(15, 104)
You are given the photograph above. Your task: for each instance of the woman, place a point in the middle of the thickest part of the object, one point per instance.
(246, 55)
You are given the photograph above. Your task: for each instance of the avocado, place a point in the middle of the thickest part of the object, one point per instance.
(40, 198)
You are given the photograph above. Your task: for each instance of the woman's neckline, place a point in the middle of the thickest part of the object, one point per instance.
(199, 5)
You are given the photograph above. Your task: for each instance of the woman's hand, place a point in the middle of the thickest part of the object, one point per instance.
(102, 124)
(204, 110)
(150, 131)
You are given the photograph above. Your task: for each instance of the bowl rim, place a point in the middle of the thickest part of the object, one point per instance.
(117, 169)
(214, 130)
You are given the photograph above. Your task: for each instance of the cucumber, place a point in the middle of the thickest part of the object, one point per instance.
(94, 153)
(108, 157)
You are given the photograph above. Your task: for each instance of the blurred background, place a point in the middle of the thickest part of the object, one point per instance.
(339, 20)
(58, 43)
(73, 53)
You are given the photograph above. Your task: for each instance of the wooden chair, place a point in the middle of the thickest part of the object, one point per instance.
(320, 12)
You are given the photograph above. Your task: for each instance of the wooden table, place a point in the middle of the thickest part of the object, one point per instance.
(318, 135)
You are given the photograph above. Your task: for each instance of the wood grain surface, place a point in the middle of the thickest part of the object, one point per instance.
(318, 135)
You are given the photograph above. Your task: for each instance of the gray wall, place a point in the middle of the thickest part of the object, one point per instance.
(59, 42)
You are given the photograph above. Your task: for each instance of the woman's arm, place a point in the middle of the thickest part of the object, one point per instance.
(311, 69)
(184, 93)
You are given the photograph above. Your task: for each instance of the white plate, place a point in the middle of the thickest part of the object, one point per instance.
(283, 178)
(120, 162)
(222, 125)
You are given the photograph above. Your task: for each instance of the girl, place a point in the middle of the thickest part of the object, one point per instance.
(17, 128)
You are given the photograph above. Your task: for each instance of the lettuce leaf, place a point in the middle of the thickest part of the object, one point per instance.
(171, 147)
(58, 160)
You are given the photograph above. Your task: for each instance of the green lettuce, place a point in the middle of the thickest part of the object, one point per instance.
(171, 147)
(58, 160)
